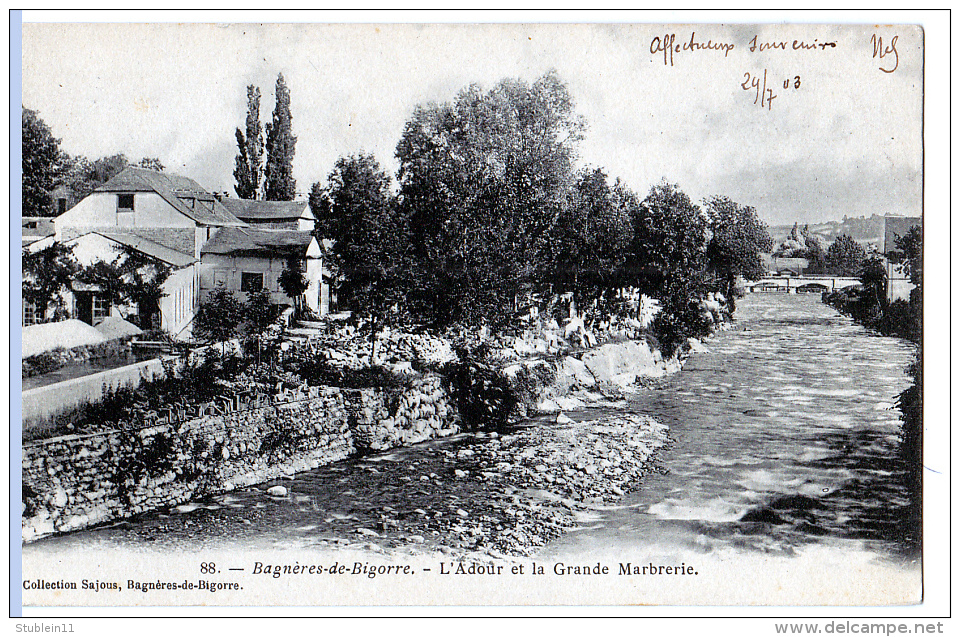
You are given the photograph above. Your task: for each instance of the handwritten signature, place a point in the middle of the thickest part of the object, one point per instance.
(880, 51)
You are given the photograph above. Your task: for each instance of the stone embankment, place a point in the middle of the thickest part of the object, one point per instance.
(72, 482)
(474, 495)
(525, 486)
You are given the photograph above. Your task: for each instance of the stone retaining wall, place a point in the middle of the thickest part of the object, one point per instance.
(545, 386)
(76, 481)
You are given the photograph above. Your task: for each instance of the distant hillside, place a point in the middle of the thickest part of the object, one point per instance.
(867, 231)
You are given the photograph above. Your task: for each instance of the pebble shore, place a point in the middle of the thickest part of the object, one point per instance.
(475, 495)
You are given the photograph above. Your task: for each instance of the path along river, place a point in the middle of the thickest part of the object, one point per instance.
(785, 443)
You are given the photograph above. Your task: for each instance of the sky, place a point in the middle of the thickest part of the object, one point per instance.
(846, 141)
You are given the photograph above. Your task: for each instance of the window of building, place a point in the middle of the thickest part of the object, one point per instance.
(251, 281)
(30, 315)
(125, 202)
(101, 309)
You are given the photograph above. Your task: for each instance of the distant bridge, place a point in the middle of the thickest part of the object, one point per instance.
(790, 284)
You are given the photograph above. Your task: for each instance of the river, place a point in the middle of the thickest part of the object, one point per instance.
(786, 438)
(785, 443)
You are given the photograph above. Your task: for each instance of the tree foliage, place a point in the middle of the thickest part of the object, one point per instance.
(46, 274)
(669, 237)
(130, 278)
(911, 245)
(249, 170)
(873, 278)
(83, 176)
(490, 210)
(43, 164)
(219, 317)
(482, 181)
(738, 238)
(816, 257)
(259, 311)
(358, 212)
(278, 181)
(590, 239)
(845, 256)
(293, 280)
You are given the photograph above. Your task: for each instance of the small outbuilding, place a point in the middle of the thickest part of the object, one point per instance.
(244, 260)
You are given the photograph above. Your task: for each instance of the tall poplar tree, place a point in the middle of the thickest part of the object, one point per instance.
(279, 184)
(248, 171)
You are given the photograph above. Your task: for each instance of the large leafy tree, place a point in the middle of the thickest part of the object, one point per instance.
(249, 170)
(738, 238)
(667, 253)
(84, 176)
(358, 212)
(667, 260)
(590, 238)
(42, 164)
(816, 257)
(845, 256)
(47, 273)
(279, 184)
(482, 181)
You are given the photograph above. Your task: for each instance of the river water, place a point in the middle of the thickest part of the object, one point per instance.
(786, 440)
(784, 484)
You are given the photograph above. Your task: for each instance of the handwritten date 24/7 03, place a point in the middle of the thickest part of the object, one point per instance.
(764, 93)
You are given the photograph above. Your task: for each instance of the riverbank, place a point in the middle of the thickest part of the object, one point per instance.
(783, 461)
(472, 495)
(79, 480)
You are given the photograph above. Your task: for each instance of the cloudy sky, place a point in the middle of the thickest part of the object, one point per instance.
(846, 142)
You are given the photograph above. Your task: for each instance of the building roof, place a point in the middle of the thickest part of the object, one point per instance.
(252, 210)
(149, 248)
(35, 228)
(183, 193)
(253, 242)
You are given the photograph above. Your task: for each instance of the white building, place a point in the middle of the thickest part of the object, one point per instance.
(250, 259)
(172, 220)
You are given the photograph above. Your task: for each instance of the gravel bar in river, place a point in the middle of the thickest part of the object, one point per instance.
(480, 494)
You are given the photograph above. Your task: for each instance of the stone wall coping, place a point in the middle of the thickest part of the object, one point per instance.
(89, 378)
(322, 391)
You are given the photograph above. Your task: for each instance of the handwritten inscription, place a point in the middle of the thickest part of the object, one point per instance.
(880, 51)
(783, 45)
(764, 95)
(668, 46)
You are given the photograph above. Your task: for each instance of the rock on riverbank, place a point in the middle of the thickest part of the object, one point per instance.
(472, 495)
